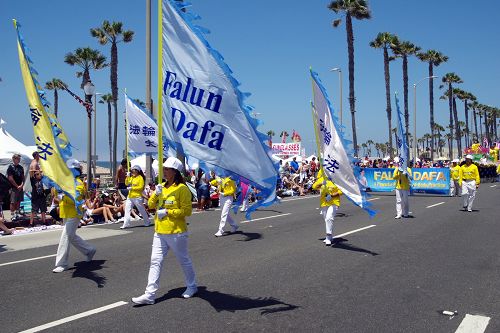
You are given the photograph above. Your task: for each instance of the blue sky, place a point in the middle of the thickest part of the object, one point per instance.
(270, 46)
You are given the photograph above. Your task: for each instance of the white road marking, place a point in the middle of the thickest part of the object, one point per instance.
(25, 260)
(353, 231)
(372, 199)
(493, 185)
(265, 218)
(300, 198)
(75, 317)
(439, 203)
(473, 324)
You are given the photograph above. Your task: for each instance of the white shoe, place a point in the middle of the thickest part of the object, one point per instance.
(143, 299)
(235, 228)
(59, 269)
(190, 292)
(469, 210)
(125, 226)
(328, 241)
(219, 233)
(397, 217)
(91, 255)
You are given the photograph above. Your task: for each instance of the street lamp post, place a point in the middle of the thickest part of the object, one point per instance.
(89, 90)
(336, 69)
(415, 116)
(94, 154)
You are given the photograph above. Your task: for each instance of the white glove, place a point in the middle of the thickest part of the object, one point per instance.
(161, 213)
(328, 197)
(158, 189)
(400, 169)
(405, 172)
(60, 196)
(129, 188)
(127, 174)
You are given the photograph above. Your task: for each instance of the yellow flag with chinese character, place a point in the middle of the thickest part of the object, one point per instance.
(51, 161)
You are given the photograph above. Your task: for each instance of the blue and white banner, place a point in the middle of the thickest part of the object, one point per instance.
(425, 180)
(337, 158)
(205, 112)
(142, 130)
(401, 139)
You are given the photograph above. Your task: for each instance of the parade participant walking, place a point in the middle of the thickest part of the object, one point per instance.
(227, 190)
(135, 187)
(455, 188)
(329, 202)
(469, 181)
(402, 178)
(71, 218)
(15, 175)
(172, 201)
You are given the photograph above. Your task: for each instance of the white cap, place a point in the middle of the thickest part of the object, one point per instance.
(136, 167)
(396, 159)
(73, 164)
(173, 163)
(456, 160)
(468, 156)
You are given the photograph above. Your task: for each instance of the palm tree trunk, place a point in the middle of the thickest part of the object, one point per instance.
(431, 103)
(480, 126)
(352, 100)
(405, 100)
(450, 104)
(458, 137)
(387, 76)
(474, 112)
(114, 93)
(466, 109)
(56, 102)
(110, 140)
(486, 127)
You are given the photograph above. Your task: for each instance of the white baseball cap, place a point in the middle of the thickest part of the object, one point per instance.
(468, 156)
(73, 164)
(173, 163)
(396, 159)
(136, 167)
(456, 160)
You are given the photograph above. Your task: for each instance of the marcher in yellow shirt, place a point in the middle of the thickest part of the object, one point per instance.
(329, 203)
(469, 180)
(455, 187)
(402, 178)
(71, 218)
(135, 185)
(227, 190)
(172, 202)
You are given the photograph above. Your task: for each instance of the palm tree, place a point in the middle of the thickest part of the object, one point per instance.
(450, 79)
(403, 50)
(474, 105)
(55, 84)
(465, 96)
(438, 128)
(359, 10)
(377, 148)
(139, 102)
(363, 145)
(108, 99)
(449, 138)
(395, 132)
(87, 59)
(433, 58)
(370, 143)
(114, 34)
(270, 135)
(385, 41)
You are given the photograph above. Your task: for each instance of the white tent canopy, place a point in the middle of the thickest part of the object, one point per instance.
(10, 146)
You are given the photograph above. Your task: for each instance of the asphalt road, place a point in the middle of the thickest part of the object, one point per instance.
(275, 275)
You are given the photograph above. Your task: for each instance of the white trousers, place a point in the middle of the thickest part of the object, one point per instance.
(455, 189)
(225, 203)
(244, 205)
(137, 202)
(329, 215)
(161, 244)
(468, 193)
(402, 203)
(69, 237)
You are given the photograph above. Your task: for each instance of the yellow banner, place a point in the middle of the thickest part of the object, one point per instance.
(51, 161)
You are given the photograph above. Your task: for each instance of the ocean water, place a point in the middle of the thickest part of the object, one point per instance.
(104, 164)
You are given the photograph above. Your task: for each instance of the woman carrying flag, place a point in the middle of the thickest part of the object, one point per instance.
(135, 185)
(170, 230)
(329, 202)
(402, 178)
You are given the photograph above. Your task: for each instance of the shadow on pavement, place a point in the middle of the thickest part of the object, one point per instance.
(86, 270)
(226, 302)
(250, 236)
(342, 243)
(2, 248)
